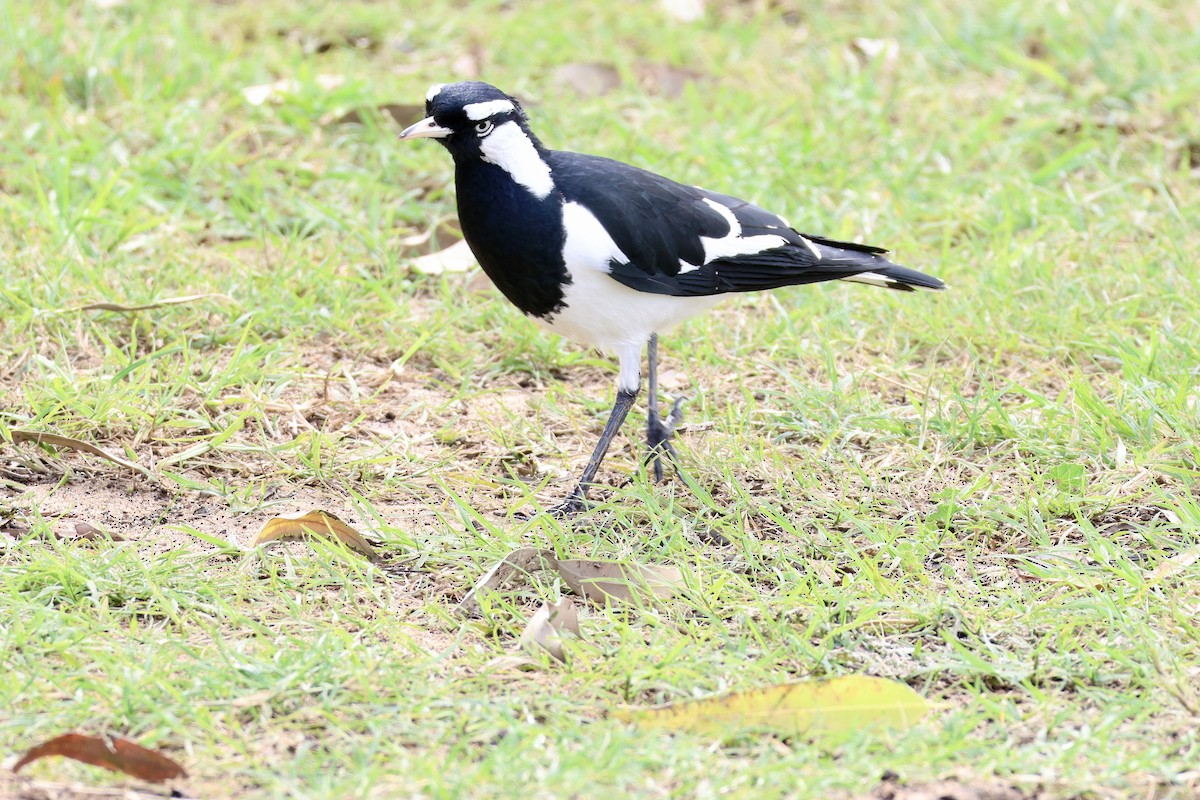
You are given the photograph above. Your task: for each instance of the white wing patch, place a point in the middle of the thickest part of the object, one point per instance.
(733, 243)
(478, 111)
(587, 243)
(604, 312)
(510, 149)
(816, 251)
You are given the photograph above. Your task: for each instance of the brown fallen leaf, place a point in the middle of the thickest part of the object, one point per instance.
(404, 114)
(599, 582)
(802, 707)
(1176, 563)
(20, 435)
(169, 301)
(110, 752)
(665, 80)
(590, 79)
(547, 626)
(314, 523)
(587, 79)
(467, 65)
(603, 581)
(85, 531)
(524, 560)
(974, 788)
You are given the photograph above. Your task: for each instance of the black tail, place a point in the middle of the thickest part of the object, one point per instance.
(876, 270)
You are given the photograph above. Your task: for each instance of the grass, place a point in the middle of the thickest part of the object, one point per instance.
(968, 492)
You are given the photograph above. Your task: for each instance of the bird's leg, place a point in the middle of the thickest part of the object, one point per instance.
(659, 431)
(577, 500)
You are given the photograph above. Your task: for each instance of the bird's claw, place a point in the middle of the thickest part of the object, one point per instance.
(676, 415)
(658, 437)
(576, 503)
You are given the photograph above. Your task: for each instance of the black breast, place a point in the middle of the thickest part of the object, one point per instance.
(517, 238)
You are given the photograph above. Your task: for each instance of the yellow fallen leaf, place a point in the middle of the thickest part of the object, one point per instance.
(548, 624)
(314, 523)
(804, 708)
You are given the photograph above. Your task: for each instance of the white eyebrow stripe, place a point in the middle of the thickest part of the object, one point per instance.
(478, 111)
(433, 91)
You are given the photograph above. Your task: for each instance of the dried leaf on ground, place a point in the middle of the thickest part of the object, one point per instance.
(893, 788)
(455, 258)
(524, 560)
(665, 80)
(604, 581)
(87, 532)
(169, 301)
(314, 523)
(590, 79)
(110, 752)
(596, 581)
(1176, 563)
(804, 708)
(547, 626)
(404, 114)
(587, 79)
(20, 435)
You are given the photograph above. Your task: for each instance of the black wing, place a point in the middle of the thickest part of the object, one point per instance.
(678, 238)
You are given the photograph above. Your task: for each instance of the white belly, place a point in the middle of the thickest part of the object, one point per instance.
(604, 313)
(600, 311)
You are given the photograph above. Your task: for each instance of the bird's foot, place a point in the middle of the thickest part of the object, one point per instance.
(658, 438)
(575, 503)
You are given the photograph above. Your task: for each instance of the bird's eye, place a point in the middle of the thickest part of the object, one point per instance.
(483, 128)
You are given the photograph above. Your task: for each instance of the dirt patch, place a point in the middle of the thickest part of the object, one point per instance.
(19, 787)
(976, 789)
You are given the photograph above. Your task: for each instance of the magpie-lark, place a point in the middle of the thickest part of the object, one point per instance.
(610, 255)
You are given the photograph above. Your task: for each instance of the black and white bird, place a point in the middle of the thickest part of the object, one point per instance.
(610, 255)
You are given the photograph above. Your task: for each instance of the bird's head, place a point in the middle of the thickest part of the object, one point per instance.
(463, 116)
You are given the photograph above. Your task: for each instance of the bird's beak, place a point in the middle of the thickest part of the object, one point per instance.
(425, 129)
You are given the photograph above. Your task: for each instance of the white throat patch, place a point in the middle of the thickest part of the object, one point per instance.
(510, 149)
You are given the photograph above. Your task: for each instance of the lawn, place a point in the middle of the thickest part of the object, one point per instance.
(986, 493)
